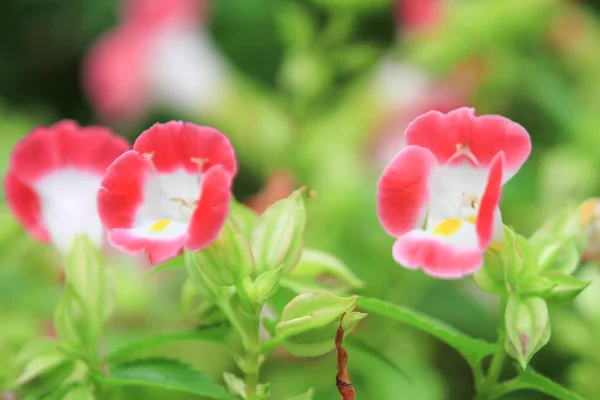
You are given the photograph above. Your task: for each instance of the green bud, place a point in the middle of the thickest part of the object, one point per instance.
(234, 385)
(228, 259)
(70, 321)
(490, 278)
(266, 284)
(309, 322)
(90, 278)
(559, 255)
(507, 264)
(263, 391)
(321, 340)
(318, 270)
(313, 310)
(527, 326)
(535, 286)
(566, 288)
(277, 237)
(566, 224)
(244, 218)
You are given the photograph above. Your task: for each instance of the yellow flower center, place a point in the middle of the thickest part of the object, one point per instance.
(160, 225)
(472, 219)
(448, 227)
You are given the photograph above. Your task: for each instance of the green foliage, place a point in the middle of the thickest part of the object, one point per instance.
(165, 374)
(472, 349)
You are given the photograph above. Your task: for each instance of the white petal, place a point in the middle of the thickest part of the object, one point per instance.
(68, 203)
(446, 185)
(186, 72)
(163, 229)
(165, 196)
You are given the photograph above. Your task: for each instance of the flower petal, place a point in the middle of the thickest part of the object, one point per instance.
(122, 191)
(402, 191)
(178, 144)
(25, 204)
(65, 145)
(212, 209)
(115, 73)
(441, 133)
(162, 240)
(487, 221)
(479, 137)
(452, 254)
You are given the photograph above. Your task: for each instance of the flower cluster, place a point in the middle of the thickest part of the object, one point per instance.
(171, 191)
(439, 196)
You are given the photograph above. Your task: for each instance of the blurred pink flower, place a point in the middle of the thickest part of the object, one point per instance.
(418, 15)
(158, 55)
(53, 177)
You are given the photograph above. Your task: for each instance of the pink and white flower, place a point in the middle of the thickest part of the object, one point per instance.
(439, 196)
(171, 191)
(159, 55)
(53, 177)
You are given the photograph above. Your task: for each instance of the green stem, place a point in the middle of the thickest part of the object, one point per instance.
(490, 381)
(496, 364)
(252, 362)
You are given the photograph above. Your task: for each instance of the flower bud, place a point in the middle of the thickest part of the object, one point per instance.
(90, 278)
(309, 322)
(277, 237)
(321, 340)
(566, 288)
(228, 259)
(527, 326)
(243, 218)
(318, 270)
(266, 284)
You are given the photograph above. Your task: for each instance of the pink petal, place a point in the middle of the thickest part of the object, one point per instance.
(122, 191)
(437, 257)
(65, 145)
(159, 249)
(115, 73)
(153, 14)
(177, 144)
(489, 202)
(402, 191)
(212, 209)
(418, 15)
(25, 205)
(440, 133)
(447, 135)
(491, 134)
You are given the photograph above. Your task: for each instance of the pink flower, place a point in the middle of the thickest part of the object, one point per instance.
(172, 190)
(53, 178)
(439, 196)
(158, 55)
(418, 15)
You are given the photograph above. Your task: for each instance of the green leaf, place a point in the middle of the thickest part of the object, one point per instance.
(212, 333)
(530, 379)
(165, 374)
(61, 392)
(304, 396)
(472, 349)
(235, 385)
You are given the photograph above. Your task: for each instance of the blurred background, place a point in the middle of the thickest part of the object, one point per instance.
(315, 92)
